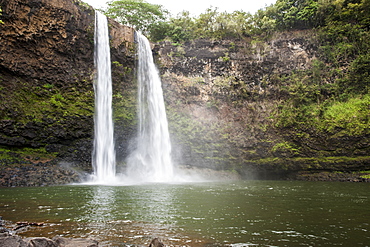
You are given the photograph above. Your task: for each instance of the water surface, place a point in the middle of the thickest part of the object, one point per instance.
(242, 213)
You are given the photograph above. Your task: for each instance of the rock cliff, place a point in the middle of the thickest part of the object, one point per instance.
(46, 82)
(223, 97)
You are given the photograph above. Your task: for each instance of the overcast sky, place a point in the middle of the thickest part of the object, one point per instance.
(196, 7)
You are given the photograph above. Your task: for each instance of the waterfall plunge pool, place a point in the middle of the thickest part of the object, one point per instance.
(233, 213)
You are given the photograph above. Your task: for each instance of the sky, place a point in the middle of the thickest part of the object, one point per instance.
(196, 7)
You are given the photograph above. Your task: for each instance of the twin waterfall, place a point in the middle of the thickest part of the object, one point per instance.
(151, 160)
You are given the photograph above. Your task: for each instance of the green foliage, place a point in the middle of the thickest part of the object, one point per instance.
(48, 86)
(177, 29)
(293, 14)
(351, 117)
(263, 23)
(283, 15)
(136, 13)
(124, 107)
(359, 75)
(213, 24)
(57, 100)
(332, 96)
(25, 155)
(225, 58)
(1, 22)
(37, 102)
(301, 14)
(337, 16)
(285, 147)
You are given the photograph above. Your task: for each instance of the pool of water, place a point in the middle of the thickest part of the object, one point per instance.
(238, 213)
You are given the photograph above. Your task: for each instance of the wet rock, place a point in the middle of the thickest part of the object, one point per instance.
(3, 230)
(11, 241)
(328, 176)
(156, 243)
(40, 242)
(16, 241)
(40, 175)
(74, 242)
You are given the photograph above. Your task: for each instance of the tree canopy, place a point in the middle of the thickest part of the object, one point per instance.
(281, 16)
(136, 13)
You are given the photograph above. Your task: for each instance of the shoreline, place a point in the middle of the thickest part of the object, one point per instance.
(51, 175)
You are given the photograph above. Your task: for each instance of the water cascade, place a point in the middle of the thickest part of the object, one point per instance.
(151, 160)
(103, 157)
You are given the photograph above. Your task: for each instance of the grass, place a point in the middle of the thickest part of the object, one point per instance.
(353, 116)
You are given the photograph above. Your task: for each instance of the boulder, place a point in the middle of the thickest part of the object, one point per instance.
(74, 242)
(11, 241)
(40, 242)
(156, 243)
(16, 241)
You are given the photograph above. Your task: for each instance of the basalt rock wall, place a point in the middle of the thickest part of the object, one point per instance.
(223, 97)
(46, 82)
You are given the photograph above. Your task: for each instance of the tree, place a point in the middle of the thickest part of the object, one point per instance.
(293, 14)
(181, 28)
(137, 13)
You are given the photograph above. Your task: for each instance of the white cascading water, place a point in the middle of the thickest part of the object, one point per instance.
(103, 157)
(151, 161)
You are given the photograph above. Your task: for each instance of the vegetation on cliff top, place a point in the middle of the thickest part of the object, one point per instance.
(136, 13)
(283, 15)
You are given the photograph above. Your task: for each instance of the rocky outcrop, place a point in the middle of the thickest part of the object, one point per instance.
(46, 40)
(222, 91)
(57, 241)
(222, 97)
(156, 243)
(37, 174)
(46, 80)
(16, 241)
(248, 61)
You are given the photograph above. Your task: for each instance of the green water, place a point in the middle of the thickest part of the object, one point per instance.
(242, 213)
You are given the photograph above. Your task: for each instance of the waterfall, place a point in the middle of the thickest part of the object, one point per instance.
(103, 157)
(151, 160)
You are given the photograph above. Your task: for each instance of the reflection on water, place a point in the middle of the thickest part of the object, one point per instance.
(98, 211)
(244, 213)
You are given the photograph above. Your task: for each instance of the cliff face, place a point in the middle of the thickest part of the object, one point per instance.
(46, 80)
(223, 98)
